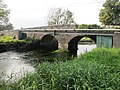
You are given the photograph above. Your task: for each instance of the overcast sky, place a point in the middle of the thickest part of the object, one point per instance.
(29, 13)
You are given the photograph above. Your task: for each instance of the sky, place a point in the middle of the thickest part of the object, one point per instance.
(33, 13)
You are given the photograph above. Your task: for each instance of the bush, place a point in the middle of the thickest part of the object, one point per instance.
(89, 26)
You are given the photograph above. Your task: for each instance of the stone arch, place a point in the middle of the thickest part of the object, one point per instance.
(49, 42)
(72, 44)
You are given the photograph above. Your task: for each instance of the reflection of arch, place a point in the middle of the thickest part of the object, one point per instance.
(49, 42)
(72, 45)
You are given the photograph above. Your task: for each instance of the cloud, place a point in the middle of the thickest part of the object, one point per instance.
(27, 13)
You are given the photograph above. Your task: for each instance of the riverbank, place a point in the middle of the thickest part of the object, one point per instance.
(96, 70)
(8, 43)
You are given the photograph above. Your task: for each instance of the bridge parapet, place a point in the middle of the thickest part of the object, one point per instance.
(98, 31)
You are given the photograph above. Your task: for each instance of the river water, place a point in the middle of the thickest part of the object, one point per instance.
(85, 48)
(15, 64)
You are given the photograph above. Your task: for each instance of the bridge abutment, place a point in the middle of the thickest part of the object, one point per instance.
(116, 40)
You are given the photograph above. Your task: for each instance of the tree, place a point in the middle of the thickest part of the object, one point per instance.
(59, 16)
(110, 13)
(9, 26)
(4, 19)
(3, 13)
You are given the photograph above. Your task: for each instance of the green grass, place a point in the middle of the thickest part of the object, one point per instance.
(96, 70)
(85, 39)
(9, 39)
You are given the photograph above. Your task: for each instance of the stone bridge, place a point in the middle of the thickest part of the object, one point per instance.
(67, 39)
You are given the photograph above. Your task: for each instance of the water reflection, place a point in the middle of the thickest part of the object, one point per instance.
(42, 55)
(85, 48)
(12, 64)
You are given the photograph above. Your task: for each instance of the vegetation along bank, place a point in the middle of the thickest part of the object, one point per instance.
(8, 43)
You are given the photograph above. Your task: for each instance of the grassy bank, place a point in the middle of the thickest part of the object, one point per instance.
(96, 70)
(9, 39)
(8, 43)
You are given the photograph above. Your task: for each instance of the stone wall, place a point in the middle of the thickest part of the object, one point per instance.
(116, 40)
(111, 26)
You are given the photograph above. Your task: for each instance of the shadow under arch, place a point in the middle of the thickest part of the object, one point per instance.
(73, 43)
(49, 42)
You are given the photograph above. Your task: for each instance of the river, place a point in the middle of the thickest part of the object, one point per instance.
(16, 64)
(85, 48)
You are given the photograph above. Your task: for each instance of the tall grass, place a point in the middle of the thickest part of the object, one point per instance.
(96, 70)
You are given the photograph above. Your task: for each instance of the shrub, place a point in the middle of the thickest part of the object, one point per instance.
(89, 26)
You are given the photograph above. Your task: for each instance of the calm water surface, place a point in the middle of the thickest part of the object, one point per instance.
(19, 63)
(85, 48)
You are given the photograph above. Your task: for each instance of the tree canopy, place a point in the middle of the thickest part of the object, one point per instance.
(110, 13)
(59, 16)
(4, 18)
(3, 13)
